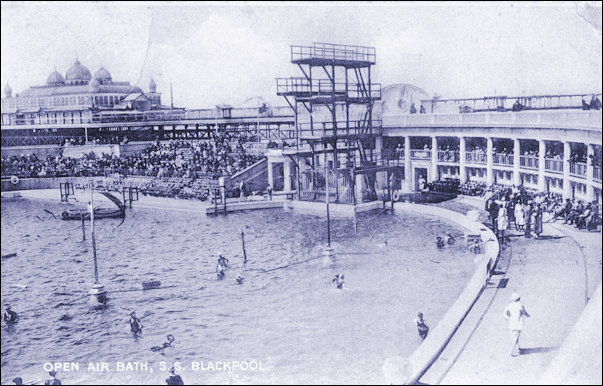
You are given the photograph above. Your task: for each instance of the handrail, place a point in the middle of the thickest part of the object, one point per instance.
(536, 119)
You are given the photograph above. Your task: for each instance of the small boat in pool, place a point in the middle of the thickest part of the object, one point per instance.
(77, 213)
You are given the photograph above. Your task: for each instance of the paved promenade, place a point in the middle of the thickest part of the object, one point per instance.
(554, 276)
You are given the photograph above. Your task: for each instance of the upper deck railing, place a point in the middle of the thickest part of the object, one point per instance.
(152, 116)
(323, 130)
(537, 119)
(324, 88)
(514, 103)
(333, 52)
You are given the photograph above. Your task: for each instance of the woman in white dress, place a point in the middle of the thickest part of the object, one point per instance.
(519, 220)
(503, 225)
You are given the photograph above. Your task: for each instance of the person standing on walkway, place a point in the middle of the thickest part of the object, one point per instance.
(493, 210)
(503, 225)
(527, 217)
(243, 191)
(515, 313)
(538, 220)
(519, 220)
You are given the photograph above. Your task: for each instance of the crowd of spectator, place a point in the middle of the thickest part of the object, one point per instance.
(574, 212)
(446, 185)
(224, 155)
(102, 140)
(595, 104)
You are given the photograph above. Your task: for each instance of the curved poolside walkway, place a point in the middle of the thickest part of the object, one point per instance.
(554, 277)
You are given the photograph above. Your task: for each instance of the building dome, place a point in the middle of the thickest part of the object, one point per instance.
(78, 74)
(102, 76)
(55, 79)
(8, 91)
(152, 86)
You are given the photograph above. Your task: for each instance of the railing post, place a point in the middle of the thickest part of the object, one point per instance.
(516, 161)
(567, 187)
(590, 191)
(489, 159)
(541, 165)
(462, 159)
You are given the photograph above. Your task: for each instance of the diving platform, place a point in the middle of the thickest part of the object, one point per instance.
(327, 54)
(324, 91)
(329, 131)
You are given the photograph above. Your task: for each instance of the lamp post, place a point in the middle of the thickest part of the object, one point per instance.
(98, 295)
(328, 253)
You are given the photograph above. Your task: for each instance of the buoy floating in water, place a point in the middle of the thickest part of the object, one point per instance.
(151, 284)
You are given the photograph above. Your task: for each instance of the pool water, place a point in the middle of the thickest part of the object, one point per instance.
(287, 314)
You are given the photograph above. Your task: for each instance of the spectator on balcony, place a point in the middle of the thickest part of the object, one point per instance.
(422, 110)
(413, 109)
(595, 103)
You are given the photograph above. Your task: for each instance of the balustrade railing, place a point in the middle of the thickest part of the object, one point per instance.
(502, 159)
(553, 165)
(476, 157)
(528, 162)
(448, 156)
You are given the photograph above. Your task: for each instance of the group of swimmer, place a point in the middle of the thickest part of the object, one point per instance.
(52, 381)
(223, 265)
(338, 280)
(447, 240)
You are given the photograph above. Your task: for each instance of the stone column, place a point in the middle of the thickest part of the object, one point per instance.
(359, 186)
(434, 159)
(287, 174)
(489, 160)
(516, 162)
(567, 187)
(407, 168)
(590, 191)
(381, 176)
(541, 164)
(270, 174)
(462, 159)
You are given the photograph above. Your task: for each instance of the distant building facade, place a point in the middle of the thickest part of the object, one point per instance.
(72, 98)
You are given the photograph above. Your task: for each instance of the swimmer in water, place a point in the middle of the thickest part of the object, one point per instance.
(18, 381)
(240, 279)
(135, 324)
(475, 248)
(449, 239)
(440, 243)
(10, 316)
(338, 279)
(174, 379)
(54, 380)
(170, 339)
(421, 326)
(222, 261)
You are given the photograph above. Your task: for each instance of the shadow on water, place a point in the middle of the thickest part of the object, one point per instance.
(536, 350)
(426, 197)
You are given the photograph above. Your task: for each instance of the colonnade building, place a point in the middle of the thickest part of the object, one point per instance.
(553, 146)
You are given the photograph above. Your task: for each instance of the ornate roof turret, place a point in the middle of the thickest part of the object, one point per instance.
(102, 76)
(152, 86)
(8, 91)
(78, 74)
(55, 79)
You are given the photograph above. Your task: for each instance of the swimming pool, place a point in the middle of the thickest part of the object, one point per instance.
(287, 314)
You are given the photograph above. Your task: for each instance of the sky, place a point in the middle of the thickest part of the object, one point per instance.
(231, 52)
